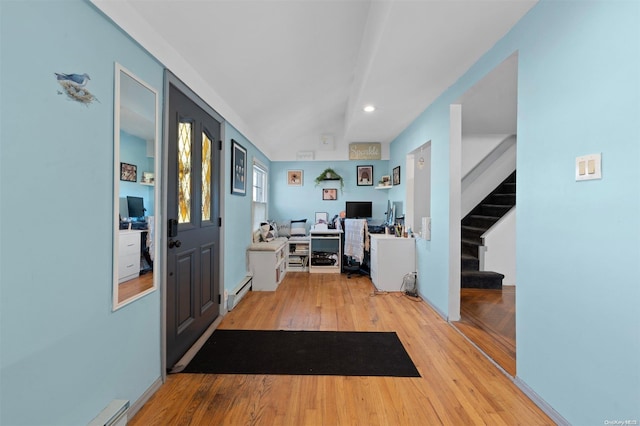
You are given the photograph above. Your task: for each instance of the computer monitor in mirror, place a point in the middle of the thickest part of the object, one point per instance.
(135, 206)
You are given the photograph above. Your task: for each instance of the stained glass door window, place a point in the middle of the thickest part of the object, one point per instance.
(206, 177)
(185, 144)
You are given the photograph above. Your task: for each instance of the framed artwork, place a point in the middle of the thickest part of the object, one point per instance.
(128, 172)
(365, 175)
(294, 177)
(385, 180)
(238, 169)
(396, 175)
(330, 194)
(322, 217)
(147, 178)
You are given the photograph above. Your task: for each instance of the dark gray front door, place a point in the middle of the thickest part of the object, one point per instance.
(193, 233)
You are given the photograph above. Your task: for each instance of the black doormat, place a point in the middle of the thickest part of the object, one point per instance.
(328, 353)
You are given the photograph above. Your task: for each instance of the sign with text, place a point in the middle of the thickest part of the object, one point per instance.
(365, 151)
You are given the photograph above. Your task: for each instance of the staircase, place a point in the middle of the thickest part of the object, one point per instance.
(474, 225)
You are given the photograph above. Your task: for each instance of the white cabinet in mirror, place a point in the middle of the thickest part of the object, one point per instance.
(136, 201)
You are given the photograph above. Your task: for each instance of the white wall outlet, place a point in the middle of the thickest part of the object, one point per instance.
(589, 167)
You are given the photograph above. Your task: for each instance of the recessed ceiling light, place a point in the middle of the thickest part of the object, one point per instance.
(369, 108)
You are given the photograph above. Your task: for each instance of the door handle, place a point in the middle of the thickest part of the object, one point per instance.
(176, 243)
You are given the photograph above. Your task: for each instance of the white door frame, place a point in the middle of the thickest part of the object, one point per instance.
(455, 190)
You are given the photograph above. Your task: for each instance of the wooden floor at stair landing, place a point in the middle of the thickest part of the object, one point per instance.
(488, 318)
(459, 386)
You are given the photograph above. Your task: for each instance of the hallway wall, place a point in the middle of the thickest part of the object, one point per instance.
(577, 252)
(64, 354)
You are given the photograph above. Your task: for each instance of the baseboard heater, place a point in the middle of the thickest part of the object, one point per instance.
(238, 293)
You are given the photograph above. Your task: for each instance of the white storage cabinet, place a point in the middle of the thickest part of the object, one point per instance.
(324, 245)
(128, 255)
(391, 259)
(268, 267)
(298, 252)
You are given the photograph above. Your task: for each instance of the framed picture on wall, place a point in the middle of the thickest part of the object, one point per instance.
(238, 169)
(396, 175)
(330, 194)
(364, 175)
(128, 172)
(322, 217)
(294, 177)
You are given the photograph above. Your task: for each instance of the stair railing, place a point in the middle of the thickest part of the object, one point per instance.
(499, 163)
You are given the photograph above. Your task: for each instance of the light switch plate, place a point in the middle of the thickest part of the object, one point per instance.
(589, 167)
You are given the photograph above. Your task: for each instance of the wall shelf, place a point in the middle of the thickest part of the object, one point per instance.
(384, 186)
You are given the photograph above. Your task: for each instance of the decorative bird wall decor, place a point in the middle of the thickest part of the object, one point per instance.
(74, 87)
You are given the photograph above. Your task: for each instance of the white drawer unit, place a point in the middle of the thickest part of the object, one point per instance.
(128, 255)
(391, 259)
(268, 267)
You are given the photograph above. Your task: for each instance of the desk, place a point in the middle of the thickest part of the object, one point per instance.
(326, 251)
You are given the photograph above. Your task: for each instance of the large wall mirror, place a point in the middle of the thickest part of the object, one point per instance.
(135, 192)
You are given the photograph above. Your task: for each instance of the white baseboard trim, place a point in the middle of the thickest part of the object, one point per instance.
(541, 403)
(530, 393)
(136, 406)
(438, 311)
(188, 356)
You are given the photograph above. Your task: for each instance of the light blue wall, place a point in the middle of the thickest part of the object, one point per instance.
(133, 150)
(300, 202)
(578, 257)
(64, 351)
(432, 125)
(64, 354)
(237, 212)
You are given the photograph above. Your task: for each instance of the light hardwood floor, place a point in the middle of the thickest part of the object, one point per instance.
(135, 286)
(488, 319)
(459, 386)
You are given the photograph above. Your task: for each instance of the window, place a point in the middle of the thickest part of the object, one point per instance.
(259, 194)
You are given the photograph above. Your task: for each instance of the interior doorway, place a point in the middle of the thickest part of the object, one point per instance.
(488, 118)
(418, 190)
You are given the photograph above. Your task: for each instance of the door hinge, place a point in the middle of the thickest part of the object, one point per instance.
(219, 299)
(219, 221)
(220, 145)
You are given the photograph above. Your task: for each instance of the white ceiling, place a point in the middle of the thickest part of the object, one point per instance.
(286, 73)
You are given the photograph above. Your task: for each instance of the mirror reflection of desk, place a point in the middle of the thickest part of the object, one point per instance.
(130, 247)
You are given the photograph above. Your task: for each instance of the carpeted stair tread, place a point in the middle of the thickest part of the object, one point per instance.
(469, 262)
(489, 211)
(496, 205)
(473, 228)
(481, 279)
(470, 242)
(479, 216)
(482, 274)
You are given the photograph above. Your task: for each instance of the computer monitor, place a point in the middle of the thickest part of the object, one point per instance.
(135, 206)
(389, 214)
(358, 209)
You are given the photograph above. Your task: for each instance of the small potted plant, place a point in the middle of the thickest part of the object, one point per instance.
(329, 174)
